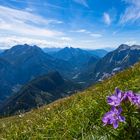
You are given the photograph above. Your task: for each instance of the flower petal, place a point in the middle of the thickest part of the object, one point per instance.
(119, 110)
(118, 93)
(121, 119)
(115, 124)
(113, 100)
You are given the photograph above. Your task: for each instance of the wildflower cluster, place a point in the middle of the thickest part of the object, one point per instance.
(114, 116)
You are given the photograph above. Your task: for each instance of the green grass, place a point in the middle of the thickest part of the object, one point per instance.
(74, 118)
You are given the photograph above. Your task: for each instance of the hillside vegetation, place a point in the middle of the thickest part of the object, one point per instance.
(76, 117)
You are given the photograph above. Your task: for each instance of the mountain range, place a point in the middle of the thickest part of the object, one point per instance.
(75, 56)
(96, 52)
(23, 65)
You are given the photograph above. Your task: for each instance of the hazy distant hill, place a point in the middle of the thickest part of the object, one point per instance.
(51, 50)
(75, 56)
(2, 50)
(95, 52)
(98, 52)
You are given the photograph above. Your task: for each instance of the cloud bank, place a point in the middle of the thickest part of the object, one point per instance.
(26, 23)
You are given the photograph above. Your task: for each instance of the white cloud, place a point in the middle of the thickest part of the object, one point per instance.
(132, 12)
(9, 41)
(26, 23)
(107, 18)
(132, 42)
(96, 35)
(80, 31)
(82, 2)
(135, 2)
(66, 38)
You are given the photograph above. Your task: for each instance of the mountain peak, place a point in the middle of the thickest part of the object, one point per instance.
(72, 50)
(25, 47)
(135, 47)
(18, 54)
(125, 47)
(68, 48)
(22, 50)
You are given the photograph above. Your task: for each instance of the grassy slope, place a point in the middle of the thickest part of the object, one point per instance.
(75, 117)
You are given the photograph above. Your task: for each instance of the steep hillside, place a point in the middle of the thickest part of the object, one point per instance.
(40, 91)
(123, 57)
(76, 117)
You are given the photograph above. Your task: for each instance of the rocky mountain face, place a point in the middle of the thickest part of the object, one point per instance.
(123, 57)
(117, 60)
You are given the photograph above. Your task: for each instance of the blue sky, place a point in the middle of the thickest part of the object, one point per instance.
(77, 23)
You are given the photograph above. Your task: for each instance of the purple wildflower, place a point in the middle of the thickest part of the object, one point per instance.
(136, 100)
(115, 99)
(113, 117)
(129, 95)
(132, 97)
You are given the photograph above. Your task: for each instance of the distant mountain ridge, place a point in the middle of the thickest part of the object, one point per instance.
(75, 56)
(51, 50)
(98, 52)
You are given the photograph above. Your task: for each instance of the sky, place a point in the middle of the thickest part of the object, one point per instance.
(89, 24)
